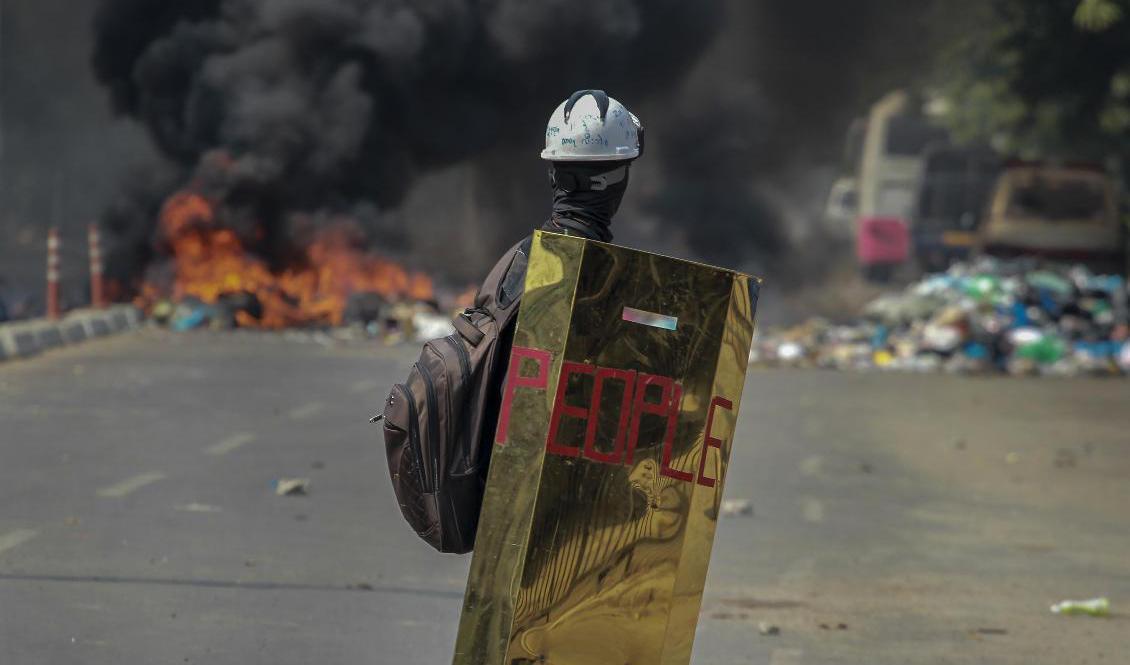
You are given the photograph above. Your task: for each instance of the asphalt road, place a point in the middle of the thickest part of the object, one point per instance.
(897, 519)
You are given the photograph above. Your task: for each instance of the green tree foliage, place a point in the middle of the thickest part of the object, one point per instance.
(1097, 15)
(1042, 77)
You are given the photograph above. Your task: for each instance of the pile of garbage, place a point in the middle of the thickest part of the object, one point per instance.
(988, 315)
(369, 314)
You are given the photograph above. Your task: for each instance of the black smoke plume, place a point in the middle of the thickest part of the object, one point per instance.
(283, 108)
(280, 107)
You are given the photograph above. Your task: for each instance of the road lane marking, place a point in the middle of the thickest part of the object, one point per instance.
(16, 538)
(364, 386)
(229, 444)
(132, 484)
(785, 657)
(306, 410)
(451, 595)
(198, 508)
(812, 466)
(813, 510)
(87, 607)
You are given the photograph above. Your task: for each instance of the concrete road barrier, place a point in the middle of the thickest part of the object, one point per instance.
(118, 321)
(23, 339)
(97, 326)
(19, 339)
(73, 332)
(49, 336)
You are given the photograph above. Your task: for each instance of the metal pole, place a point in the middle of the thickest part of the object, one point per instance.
(53, 273)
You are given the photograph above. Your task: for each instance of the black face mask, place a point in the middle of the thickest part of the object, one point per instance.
(584, 206)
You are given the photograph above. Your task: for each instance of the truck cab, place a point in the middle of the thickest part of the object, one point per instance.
(950, 204)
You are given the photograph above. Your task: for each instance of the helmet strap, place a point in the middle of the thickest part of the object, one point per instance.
(599, 96)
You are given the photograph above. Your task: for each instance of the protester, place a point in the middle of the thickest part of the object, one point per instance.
(439, 424)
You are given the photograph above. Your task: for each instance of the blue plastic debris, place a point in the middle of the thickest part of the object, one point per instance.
(191, 315)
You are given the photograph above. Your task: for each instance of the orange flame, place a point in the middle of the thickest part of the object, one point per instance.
(210, 261)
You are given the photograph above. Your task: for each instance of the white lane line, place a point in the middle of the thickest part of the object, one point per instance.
(225, 446)
(812, 466)
(306, 410)
(132, 484)
(16, 538)
(813, 510)
(198, 508)
(785, 657)
(364, 386)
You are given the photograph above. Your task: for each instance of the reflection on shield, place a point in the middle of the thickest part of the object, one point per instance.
(607, 469)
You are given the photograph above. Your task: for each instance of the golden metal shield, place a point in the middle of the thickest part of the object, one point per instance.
(608, 464)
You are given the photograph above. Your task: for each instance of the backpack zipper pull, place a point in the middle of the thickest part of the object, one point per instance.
(377, 419)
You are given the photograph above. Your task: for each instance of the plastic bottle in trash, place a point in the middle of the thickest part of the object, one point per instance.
(1096, 607)
(1048, 349)
(880, 337)
(1020, 318)
(982, 287)
(1047, 280)
(1123, 357)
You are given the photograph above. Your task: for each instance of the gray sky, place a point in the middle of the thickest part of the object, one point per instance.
(64, 152)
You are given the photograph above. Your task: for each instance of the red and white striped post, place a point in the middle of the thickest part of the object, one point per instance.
(94, 240)
(53, 273)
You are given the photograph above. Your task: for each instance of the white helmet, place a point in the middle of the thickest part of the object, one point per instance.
(590, 126)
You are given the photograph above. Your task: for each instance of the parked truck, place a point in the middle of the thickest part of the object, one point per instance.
(885, 162)
(1063, 212)
(953, 192)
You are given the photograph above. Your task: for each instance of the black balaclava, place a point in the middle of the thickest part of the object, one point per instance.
(578, 209)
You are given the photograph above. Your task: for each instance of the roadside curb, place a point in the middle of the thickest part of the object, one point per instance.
(24, 339)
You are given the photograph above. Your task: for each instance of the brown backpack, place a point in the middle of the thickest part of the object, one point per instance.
(439, 423)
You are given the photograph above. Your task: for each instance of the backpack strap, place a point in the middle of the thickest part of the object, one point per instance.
(468, 330)
(502, 289)
(514, 282)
